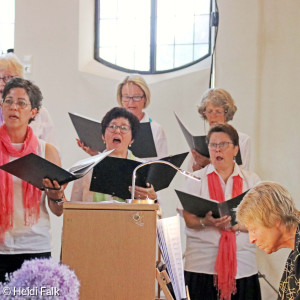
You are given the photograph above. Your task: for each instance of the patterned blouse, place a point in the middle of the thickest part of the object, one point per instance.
(289, 288)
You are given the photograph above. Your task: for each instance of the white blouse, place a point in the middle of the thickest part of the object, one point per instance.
(202, 245)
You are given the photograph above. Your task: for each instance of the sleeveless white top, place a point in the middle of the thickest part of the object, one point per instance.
(23, 239)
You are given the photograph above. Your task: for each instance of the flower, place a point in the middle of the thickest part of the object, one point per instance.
(41, 279)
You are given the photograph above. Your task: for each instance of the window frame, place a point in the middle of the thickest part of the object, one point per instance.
(152, 57)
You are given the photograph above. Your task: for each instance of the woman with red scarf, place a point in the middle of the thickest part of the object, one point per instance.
(24, 219)
(220, 263)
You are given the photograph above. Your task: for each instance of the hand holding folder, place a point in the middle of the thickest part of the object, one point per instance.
(113, 175)
(33, 169)
(200, 206)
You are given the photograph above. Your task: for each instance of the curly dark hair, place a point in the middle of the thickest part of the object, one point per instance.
(120, 112)
(33, 91)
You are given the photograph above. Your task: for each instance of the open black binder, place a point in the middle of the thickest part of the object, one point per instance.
(200, 206)
(89, 132)
(199, 142)
(113, 175)
(33, 169)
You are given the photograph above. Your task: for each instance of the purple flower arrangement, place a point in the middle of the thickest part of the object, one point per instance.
(43, 279)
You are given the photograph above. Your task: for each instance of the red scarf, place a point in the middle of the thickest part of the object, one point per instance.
(31, 194)
(226, 265)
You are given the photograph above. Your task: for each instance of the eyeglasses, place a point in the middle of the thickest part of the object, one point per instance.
(217, 112)
(134, 98)
(221, 146)
(20, 103)
(123, 128)
(6, 78)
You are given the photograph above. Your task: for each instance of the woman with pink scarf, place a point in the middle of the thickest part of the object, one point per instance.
(220, 262)
(24, 219)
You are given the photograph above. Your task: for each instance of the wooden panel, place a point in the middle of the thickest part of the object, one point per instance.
(112, 252)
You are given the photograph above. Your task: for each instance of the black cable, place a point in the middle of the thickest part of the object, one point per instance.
(214, 23)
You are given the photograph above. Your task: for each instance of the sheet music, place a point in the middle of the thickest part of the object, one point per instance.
(168, 232)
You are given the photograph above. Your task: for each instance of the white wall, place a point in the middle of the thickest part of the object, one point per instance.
(257, 61)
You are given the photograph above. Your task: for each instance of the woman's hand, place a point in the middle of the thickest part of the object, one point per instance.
(200, 161)
(194, 222)
(85, 148)
(220, 223)
(144, 193)
(55, 194)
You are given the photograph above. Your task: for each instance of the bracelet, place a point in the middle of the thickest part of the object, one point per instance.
(57, 200)
(201, 223)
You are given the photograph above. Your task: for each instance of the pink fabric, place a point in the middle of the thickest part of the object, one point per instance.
(226, 264)
(31, 194)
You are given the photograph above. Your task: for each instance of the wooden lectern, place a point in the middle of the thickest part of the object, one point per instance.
(112, 249)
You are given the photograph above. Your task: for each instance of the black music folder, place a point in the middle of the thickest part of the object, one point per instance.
(113, 175)
(199, 144)
(33, 169)
(89, 132)
(200, 206)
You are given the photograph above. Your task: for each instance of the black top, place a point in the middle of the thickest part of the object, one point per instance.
(289, 288)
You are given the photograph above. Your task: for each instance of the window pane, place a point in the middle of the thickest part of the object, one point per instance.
(165, 30)
(184, 30)
(202, 29)
(142, 58)
(183, 55)
(202, 7)
(200, 51)
(108, 54)
(164, 58)
(108, 9)
(108, 30)
(7, 25)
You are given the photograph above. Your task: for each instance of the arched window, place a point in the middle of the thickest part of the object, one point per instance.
(152, 36)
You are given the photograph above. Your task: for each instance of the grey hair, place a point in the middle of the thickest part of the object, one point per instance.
(218, 97)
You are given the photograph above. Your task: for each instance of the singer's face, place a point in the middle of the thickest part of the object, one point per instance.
(118, 136)
(214, 114)
(136, 107)
(221, 150)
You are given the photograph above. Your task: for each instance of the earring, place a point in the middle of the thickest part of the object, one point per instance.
(104, 142)
(129, 146)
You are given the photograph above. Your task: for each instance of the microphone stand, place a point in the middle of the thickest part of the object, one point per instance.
(183, 172)
(260, 275)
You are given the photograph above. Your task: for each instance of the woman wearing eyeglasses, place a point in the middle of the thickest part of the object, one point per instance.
(217, 106)
(24, 219)
(133, 94)
(219, 259)
(119, 128)
(42, 126)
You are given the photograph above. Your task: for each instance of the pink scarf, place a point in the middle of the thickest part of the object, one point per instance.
(31, 194)
(226, 265)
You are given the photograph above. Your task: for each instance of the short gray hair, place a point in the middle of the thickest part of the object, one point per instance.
(218, 97)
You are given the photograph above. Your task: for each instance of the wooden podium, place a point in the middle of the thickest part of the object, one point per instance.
(112, 249)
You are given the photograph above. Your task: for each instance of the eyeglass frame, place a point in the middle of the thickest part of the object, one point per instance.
(9, 77)
(221, 146)
(113, 128)
(132, 98)
(5, 103)
(219, 113)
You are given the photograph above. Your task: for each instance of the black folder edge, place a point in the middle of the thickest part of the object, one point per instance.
(191, 203)
(87, 129)
(199, 144)
(33, 169)
(117, 184)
